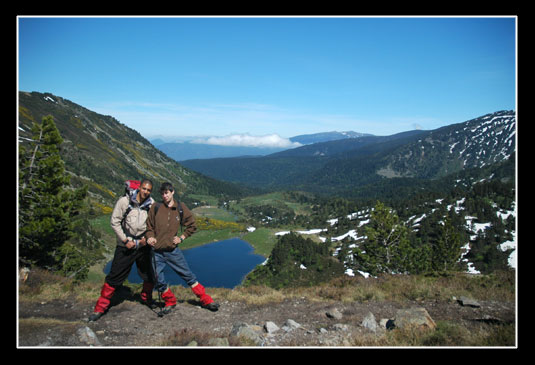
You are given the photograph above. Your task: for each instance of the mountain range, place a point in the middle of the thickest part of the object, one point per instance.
(101, 152)
(197, 148)
(341, 166)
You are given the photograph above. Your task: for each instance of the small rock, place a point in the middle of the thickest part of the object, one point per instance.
(334, 313)
(369, 322)
(87, 336)
(293, 324)
(468, 302)
(271, 327)
(192, 344)
(341, 327)
(237, 327)
(290, 325)
(23, 274)
(386, 323)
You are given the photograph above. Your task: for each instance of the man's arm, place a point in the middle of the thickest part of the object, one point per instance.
(189, 222)
(117, 217)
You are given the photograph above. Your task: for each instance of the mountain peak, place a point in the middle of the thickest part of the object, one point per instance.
(326, 137)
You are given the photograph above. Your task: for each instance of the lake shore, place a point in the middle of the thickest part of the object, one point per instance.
(224, 263)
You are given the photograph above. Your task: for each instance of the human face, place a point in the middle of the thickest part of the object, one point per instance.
(167, 197)
(144, 191)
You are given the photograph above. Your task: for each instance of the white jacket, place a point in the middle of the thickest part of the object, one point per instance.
(134, 226)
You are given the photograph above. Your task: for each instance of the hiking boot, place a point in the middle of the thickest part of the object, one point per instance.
(168, 309)
(169, 298)
(206, 300)
(95, 316)
(170, 301)
(211, 306)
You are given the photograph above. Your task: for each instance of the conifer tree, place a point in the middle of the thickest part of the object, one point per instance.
(387, 245)
(389, 248)
(46, 205)
(447, 249)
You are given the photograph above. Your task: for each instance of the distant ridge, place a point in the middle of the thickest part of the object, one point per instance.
(341, 166)
(326, 137)
(192, 149)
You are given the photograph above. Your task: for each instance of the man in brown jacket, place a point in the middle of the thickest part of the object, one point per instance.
(163, 224)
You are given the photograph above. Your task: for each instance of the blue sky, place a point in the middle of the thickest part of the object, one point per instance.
(219, 76)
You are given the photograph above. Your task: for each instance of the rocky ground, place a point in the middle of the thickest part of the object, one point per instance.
(292, 322)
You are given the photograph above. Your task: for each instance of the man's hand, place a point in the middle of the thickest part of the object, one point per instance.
(177, 240)
(142, 241)
(130, 244)
(151, 241)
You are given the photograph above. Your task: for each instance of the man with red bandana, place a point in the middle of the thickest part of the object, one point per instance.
(131, 247)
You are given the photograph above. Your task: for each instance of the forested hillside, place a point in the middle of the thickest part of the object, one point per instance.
(466, 228)
(344, 167)
(101, 152)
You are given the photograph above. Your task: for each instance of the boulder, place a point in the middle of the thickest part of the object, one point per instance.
(334, 313)
(468, 302)
(242, 329)
(414, 317)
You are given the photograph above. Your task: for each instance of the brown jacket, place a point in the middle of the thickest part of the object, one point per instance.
(166, 224)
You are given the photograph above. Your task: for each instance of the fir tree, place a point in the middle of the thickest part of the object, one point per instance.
(447, 249)
(387, 244)
(388, 247)
(46, 205)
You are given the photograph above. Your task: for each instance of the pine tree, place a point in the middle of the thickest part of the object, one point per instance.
(447, 249)
(387, 246)
(46, 205)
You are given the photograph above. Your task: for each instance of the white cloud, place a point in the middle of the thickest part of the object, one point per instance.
(234, 120)
(246, 140)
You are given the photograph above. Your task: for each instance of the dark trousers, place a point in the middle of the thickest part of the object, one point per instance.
(123, 259)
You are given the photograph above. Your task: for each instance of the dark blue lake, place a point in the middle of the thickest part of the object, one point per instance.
(222, 264)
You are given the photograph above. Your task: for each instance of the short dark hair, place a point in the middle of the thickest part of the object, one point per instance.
(166, 186)
(145, 181)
